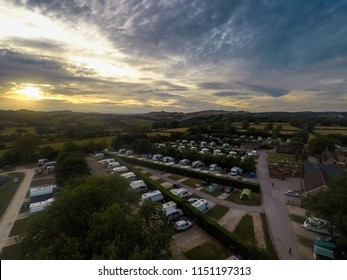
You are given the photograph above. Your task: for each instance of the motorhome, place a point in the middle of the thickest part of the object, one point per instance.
(113, 164)
(157, 157)
(201, 205)
(236, 171)
(215, 167)
(99, 155)
(181, 192)
(119, 170)
(172, 214)
(154, 196)
(169, 204)
(317, 225)
(39, 206)
(197, 164)
(139, 186)
(42, 190)
(129, 176)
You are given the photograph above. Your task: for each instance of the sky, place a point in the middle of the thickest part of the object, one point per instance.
(137, 56)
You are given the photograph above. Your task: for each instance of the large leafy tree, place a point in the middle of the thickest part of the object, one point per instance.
(70, 165)
(97, 218)
(331, 204)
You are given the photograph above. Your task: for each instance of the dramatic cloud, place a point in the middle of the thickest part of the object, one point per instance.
(136, 56)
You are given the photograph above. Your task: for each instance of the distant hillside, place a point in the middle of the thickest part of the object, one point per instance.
(180, 115)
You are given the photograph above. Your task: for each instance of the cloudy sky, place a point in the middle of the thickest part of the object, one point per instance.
(133, 56)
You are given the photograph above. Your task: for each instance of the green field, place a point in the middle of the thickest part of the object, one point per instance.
(325, 130)
(12, 130)
(217, 212)
(59, 145)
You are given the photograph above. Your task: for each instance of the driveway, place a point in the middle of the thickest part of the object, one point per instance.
(275, 208)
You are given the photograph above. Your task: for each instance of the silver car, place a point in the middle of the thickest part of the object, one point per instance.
(292, 193)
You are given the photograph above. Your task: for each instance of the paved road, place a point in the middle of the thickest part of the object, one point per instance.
(276, 211)
(10, 216)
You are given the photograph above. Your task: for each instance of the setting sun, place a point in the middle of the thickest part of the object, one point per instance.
(31, 92)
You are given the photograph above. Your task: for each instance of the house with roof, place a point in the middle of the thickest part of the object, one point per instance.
(317, 176)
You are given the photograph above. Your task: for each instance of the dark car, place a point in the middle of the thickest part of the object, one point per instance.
(229, 189)
(177, 186)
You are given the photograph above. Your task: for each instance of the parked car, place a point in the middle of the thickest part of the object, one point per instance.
(176, 186)
(292, 193)
(229, 189)
(183, 225)
(15, 180)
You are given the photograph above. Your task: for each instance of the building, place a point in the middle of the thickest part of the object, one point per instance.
(318, 176)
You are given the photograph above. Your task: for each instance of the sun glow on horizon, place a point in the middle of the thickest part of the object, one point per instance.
(30, 92)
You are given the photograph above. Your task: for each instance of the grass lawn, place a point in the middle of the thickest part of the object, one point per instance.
(209, 250)
(8, 189)
(19, 227)
(297, 219)
(235, 198)
(42, 182)
(191, 182)
(245, 230)
(11, 253)
(215, 193)
(305, 241)
(217, 212)
(175, 177)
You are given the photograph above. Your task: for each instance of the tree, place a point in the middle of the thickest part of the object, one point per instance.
(26, 147)
(330, 204)
(70, 165)
(143, 146)
(320, 143)
(48, 152)
(97, 218)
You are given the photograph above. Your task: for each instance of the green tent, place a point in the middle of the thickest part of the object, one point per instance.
(246, 193)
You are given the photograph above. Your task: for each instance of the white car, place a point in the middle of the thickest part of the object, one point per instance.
(292, 193)
(15, 180)
(183, 225)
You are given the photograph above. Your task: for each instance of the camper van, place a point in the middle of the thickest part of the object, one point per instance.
(129, 176)
(169, 204)
(182, 192)
(154, 196)
(201, 205)
(120, 170)
(139, 186)
(172, 214)
(39, 206)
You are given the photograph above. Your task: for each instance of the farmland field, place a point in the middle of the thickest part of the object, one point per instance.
(59, 145)
(325, 130)
(15, 130)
